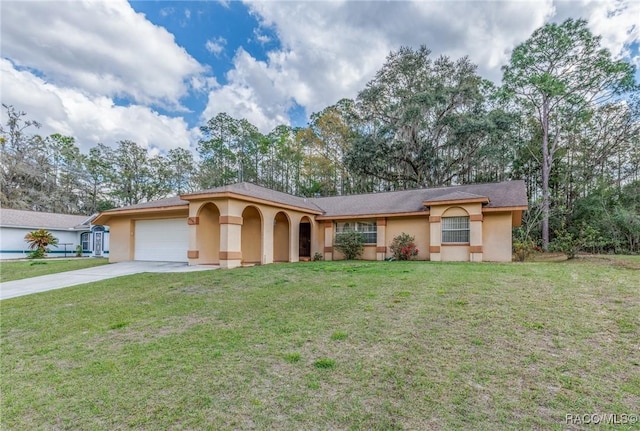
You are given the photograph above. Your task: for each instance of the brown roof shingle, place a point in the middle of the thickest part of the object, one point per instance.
(504, 194)
(254, 191)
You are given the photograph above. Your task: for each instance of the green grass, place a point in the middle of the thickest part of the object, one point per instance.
(328, 345)
(33, 268)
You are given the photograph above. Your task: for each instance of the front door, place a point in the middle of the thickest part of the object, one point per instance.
(97, 244)
(305, 240)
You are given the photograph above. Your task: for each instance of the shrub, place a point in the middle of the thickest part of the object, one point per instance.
(403, 247)
(78, 250)
(523, 245)
(38, 241)
(566, 242)
(350, 243)
(38, 253)
(317, 257)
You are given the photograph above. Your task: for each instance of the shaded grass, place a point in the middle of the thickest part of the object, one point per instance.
(328, 345)
(33, 268)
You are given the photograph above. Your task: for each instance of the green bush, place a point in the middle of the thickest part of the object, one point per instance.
(78, 250)
(404, 247)
(523, 245)
(38, 253)
(351, 244)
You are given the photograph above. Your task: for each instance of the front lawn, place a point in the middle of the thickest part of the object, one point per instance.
(328, 345)
(33, 268)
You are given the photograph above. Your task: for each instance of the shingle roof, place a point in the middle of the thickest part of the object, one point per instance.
(252, 190)
(160, 203)
(457, 196)
(504, 194)
(41, 220)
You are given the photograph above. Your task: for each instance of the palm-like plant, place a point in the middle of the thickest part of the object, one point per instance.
(39, 240)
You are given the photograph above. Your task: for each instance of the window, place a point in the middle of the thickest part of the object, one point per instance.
(84, 239)
(455, 229)
(367, 228)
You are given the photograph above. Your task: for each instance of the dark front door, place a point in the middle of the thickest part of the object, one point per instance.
(305, 240)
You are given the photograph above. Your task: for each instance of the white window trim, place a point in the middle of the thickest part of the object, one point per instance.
(368, 228)
(466, 229)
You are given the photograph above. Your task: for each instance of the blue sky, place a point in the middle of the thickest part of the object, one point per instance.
(154, 71)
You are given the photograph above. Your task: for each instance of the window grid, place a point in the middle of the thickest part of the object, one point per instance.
(367, 229)
(455, 230)
(84, 238)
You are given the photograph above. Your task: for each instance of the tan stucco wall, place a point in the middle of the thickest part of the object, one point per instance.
(454, 253)
(369, 253)
(281, 243)
(208, 235)
(497, 236)
(121, 237)
(122, 232)
(251, 245)
(417, 227)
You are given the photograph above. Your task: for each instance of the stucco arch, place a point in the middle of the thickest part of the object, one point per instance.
(455, 212)
(251, 235)
(305, 232)
(281, 235)
(208, 234)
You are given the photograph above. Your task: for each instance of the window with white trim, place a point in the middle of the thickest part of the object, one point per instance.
(367, 228)
(455, 229)
(84, 239)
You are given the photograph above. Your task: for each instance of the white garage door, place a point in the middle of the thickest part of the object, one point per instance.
(162, 240)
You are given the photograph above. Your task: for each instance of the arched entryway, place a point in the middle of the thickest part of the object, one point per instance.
(251, 242)
(305, 238)
(281, 238)
(208, 236)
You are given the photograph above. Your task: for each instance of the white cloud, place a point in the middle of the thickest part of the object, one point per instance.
(101, 48)
(90, 119)
(331, 49)
(216, 45)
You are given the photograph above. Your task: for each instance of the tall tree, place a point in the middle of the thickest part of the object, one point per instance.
(558, 75)
(422, 121)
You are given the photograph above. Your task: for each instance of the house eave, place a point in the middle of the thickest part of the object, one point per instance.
(239, 196)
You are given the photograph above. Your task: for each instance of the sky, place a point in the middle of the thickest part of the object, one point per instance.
(154, 71)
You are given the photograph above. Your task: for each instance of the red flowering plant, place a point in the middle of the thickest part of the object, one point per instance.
(403, 247)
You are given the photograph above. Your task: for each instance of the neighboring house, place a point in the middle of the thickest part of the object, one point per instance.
(244, 223)
(71, 231)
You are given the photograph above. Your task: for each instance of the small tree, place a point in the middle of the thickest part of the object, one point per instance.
(39, 241)
(350, 243)
(403, 247)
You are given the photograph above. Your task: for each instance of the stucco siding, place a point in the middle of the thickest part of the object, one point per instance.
(417, 227)
(121, 233)
(497, 237)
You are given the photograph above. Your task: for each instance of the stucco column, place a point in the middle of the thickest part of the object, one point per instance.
(381, 243)
(475, 237)
(294, 241)
(328, 240)
(230, 241)
(435, 238)
(267, 239)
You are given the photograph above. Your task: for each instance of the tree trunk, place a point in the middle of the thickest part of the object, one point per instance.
(546, 167)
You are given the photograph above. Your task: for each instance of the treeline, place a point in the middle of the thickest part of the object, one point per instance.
(566, 120)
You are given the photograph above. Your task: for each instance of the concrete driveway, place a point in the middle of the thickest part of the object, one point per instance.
(27, 286)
